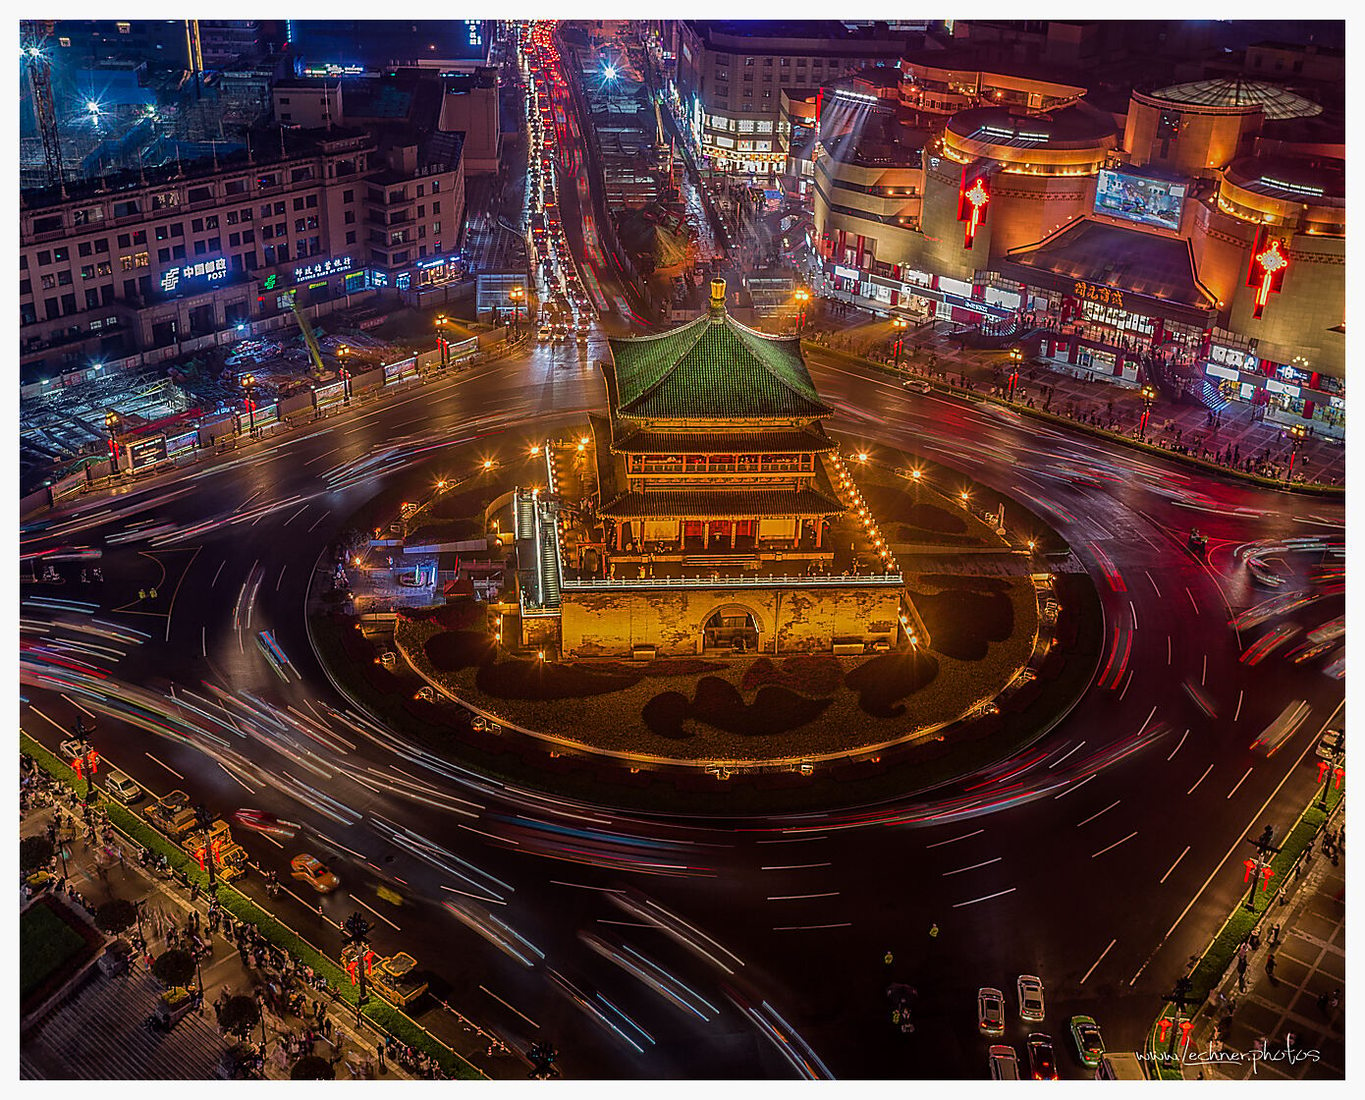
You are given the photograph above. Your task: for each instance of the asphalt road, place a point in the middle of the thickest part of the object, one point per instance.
(1067, 862)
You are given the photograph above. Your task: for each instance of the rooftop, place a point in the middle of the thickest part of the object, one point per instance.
(1276, 102)
(711, 369)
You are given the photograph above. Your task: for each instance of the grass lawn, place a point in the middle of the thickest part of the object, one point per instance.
(46, 945)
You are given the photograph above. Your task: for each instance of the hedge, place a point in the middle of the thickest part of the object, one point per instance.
(398, 1024)
(1242, 921)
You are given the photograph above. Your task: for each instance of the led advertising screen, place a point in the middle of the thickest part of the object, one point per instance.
(1139, 199)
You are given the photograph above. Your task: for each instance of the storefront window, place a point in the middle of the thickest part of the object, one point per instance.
(1120, 319)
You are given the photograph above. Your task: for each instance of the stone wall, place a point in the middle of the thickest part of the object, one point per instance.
(808, 620)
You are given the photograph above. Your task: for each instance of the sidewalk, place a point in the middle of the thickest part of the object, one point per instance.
(107, 1012)
(930, 351)
(1287, 1008)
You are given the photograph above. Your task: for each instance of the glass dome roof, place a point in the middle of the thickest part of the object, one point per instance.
(1277, 103)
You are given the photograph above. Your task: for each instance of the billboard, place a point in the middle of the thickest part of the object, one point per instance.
(147, 452)
(1140, 199)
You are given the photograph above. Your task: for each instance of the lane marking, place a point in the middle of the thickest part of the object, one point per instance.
(302, 508)
(219, 570)
(166, 766)
(506, 1005)
(321, 518)
(792, 866)
(1115, 844)
(1175, 864)
(1065, 755)
(1158, 590)
(1204, 674)
(235, 779)
(809, 927)
(1181, 742)
(964, 836)
(1239, 783)
(973, 867)
(281, 578)
(1077, 787)
(1127, 684)
(1092, 817)
(1133, 609)
(583, 886)
(1192, 599)
(375, 911)
(988, 897)
(792, 839)
(1200, 779)
(203, 642)
(1168, 649)
(799, 897)
(1238, 712)
(1099, 960)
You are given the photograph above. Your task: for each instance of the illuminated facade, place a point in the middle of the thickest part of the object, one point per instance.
(720, 520)
(1133, 248)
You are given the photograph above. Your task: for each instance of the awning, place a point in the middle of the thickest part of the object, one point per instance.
(1154, 275)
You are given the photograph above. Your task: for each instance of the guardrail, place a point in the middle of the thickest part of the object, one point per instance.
(887, 580)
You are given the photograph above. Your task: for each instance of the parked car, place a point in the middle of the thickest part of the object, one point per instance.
(1331, 743)
(1004, 1063)
(123, 788)
(1085, 1033)
(919, 385)
(1031, 1006)
(314, 872)
(1042, 1061)
(990, 1011)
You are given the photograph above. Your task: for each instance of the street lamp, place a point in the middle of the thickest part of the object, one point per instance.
(518, 295)
(1297, 434)
(1016, 358)
(441, 342)
(1329, 769)
(249, 385)
(1148, 393)
(111, 423)
(802, 296)
(900, 324)
(342, 352)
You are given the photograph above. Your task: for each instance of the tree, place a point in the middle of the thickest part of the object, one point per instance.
(312, 1068)
(174, 967)
(240, 1015)
(34, 853)
(115, 916)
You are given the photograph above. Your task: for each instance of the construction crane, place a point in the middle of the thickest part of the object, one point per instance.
(314, 352)
(33, 38)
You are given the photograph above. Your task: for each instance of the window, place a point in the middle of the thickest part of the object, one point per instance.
(269, 255)
(64, 278)
(178, 229)
(298, 225)
(349, 217)
(298, 175)
(44, 258)
(200, 194)
(140, 236)
(92, 299)
(163, 255)
(197, 225)
(126, 208)
(49, 282)
(25, 286)
(51, 308)
(102, 245)
(279, 209)
(125, 263)
(177, 251)
(267, 180)
(235, 187)
(246, 214)
(421, 190)
(143, 260)
(435, 208)
(310, 202)
(348, 195)
(211, 222)
(435, 187)
(163, 232)
(400, 257)
(767, 62)
(265, 210)
(124, 241)
(267, 232)
(248, 236)
(61, 255)
(422, 211)
(104, 267)
(350, 237)
(165, 199)
(215, 244)
(200, 248)
(88, 271)
(280, 228)
(232, 217)
(68, 303)
(396, 196)
(298, 204)
(749, 62)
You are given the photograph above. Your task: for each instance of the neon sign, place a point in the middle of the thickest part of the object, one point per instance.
(971, 205)
(211, 270)
(322, 269)
(1266, 274)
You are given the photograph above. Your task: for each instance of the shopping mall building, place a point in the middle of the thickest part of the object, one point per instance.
(1203, 223)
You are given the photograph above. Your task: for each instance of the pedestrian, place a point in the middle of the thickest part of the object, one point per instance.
(933, 931)
(1324, 999)
(1275, 935)
(888, 958)
(1255, 940)
(1270, 967)
(379, 1047)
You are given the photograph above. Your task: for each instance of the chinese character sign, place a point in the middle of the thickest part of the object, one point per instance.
(1089, 292)
(203, 270)
(322, 269)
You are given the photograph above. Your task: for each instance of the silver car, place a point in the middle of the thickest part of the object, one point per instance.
(1031, 1005)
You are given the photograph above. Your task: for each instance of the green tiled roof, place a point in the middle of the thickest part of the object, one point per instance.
(712, 368)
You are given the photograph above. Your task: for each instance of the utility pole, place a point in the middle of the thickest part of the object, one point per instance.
(204, 819)
(355, 934)
(1180, 997)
